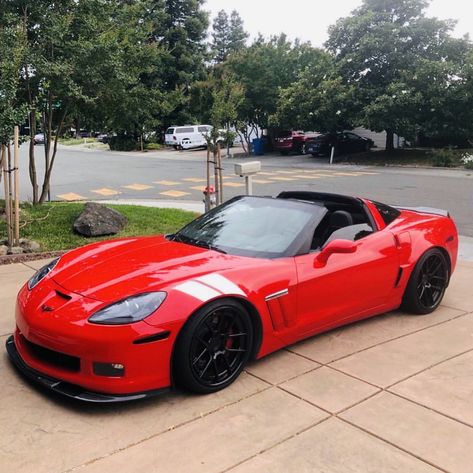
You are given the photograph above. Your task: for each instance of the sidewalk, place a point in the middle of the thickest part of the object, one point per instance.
(391, 394)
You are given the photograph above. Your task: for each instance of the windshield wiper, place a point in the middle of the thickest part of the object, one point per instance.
(196, 242)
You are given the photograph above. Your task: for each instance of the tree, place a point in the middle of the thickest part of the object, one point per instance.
(237, 35)
(264, 69)
(378, 47)
(228, 36)
(319, 100)
(220, 37)
(82, 57)
(12, 51)
(180, 28)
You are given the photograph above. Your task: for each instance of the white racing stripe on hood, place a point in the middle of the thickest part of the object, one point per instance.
(198, 290)
(220, 283)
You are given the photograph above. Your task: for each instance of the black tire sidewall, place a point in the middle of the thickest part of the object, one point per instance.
(183, 375)
(410, 300)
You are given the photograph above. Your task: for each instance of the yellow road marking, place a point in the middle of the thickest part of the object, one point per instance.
(283, 179)
(106, 191)
(261, 181)
(167, 183)
(138, 187)
(199, 188)
(174, 193)
(266, 174)
(71, 197)
(193, 179)
(286, 172)
(234, 184)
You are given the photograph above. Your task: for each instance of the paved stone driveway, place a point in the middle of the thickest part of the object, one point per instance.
(391, 394)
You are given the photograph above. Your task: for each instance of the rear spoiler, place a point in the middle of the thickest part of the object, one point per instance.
(426, 210)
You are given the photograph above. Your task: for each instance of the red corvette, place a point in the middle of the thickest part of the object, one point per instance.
(125, 319)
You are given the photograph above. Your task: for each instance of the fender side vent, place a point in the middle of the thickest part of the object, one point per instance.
(399, 276)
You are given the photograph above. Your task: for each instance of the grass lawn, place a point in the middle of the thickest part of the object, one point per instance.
(51, 224)
(76, 141)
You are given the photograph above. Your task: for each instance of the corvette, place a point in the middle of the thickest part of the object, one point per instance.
(125, 319)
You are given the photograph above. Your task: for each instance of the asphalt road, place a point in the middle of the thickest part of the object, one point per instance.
(95, 174)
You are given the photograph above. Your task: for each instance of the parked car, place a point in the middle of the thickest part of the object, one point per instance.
(293, 141)
(345, 142)
(38, 139)
(187, 137)
(123, 320)
(103, 138)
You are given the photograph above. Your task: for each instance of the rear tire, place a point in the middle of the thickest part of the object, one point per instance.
(427, 284)
(213, 347)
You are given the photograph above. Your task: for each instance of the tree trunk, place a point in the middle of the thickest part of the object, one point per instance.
(32, 162)
(389, 140)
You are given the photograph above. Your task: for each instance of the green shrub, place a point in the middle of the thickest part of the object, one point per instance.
(152, 146)
(123, 143)
(444, 158)
(467, 160)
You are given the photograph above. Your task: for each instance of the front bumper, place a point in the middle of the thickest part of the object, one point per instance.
(67, 389)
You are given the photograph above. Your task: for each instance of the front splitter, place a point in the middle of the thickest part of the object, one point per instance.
(71, 390)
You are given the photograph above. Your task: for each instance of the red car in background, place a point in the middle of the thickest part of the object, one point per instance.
(293, 141)
(123, 319)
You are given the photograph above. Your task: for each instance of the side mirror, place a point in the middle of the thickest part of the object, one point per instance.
(334, 247)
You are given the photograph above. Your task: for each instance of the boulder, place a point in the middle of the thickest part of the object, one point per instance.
(3, 250)
(16, 250)
(99, 220)
(30, 246)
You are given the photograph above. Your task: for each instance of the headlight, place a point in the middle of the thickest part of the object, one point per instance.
(42, 273)
(129, 310)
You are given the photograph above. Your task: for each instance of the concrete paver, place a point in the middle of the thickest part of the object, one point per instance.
(286, 413)
(219, 440)
(41, 433)
(393, 361)
(351, 339)
(428, 435)
(281, 366)
(329, 389)
(446, 388)
(334, 447)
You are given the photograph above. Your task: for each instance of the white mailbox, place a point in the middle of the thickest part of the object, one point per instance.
(247, 169)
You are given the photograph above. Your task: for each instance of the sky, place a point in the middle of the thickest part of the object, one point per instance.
(310, 19)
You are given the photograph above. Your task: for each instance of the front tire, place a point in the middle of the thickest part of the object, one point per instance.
(213, 347)
(427, 284)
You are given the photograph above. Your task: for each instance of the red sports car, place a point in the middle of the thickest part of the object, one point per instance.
(124, 319)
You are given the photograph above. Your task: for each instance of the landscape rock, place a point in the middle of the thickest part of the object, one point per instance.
(3, 250)
(30, 246)
(99, 220)
(16, 250)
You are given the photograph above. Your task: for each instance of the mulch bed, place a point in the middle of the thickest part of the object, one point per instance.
(25, 257)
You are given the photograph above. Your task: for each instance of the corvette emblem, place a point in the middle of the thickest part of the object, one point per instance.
(46, 308)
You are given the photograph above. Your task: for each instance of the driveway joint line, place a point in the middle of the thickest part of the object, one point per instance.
(169, 429)
(463, 313)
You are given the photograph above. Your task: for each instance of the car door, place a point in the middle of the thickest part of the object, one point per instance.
(348, 285)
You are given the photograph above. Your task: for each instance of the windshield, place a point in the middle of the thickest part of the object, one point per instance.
(170, 131)
(254, 226)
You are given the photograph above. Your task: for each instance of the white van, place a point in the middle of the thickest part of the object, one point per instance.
(187, 137)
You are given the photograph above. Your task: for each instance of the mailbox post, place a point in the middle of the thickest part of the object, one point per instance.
(248, 170)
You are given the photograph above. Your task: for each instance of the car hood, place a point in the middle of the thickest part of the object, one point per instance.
(112, 270)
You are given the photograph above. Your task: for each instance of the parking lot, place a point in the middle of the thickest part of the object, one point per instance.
(393, 393)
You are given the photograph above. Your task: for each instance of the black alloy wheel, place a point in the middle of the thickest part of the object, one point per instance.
(213, 347)
(427, 284)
